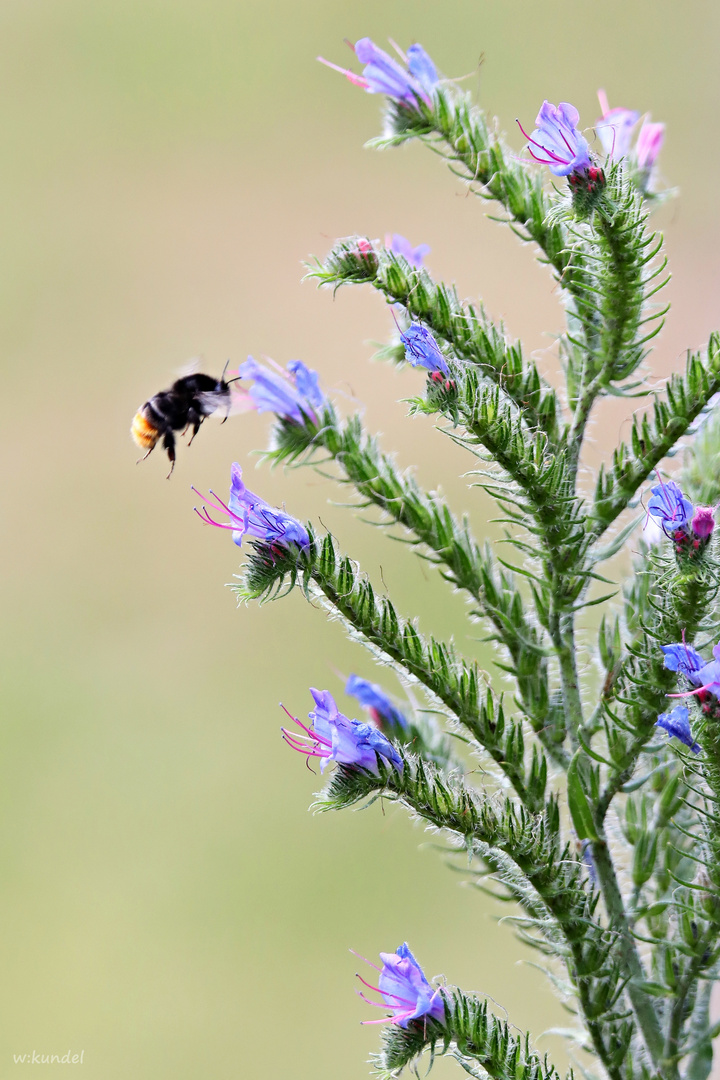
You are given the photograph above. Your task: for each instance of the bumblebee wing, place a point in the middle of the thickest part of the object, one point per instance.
(191, 367)
(223, 404)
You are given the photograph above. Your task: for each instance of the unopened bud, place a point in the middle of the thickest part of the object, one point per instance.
(703, 522)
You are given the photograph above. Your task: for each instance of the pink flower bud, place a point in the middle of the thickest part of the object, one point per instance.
(649, 144)
(703, 522)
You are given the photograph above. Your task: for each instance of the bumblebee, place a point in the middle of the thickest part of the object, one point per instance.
(188, 402)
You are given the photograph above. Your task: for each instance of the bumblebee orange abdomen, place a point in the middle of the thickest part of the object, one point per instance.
(143, 431)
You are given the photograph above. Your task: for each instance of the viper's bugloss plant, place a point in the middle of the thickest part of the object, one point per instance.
(596, 810)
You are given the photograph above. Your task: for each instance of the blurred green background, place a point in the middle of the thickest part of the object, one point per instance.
(168, 904)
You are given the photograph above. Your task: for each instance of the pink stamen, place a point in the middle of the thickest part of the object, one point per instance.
(311, 733)
(562, 134)
(309, 751)
(205, 517)
(545, 150)
(540, 160)
(689, 693)
(365, 960)
(221, 505)
(375, 1004)
(385, 993)
(358, 80)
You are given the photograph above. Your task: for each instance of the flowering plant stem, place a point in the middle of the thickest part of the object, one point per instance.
(602, 831)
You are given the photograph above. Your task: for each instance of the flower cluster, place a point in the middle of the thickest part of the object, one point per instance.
(293, 395)
(378, 704)
(404, 990)
(616, 129)
(687, 526)
(251, 516)
(332, 737)
(407, 83)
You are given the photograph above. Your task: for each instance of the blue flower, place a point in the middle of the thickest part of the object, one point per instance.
(683, 659)
(688, 662)
(422, 67)
(376, 701)
(332, 737)
(421, 349)
(556, 142)
(400, 246)
(405, 990)
(293, 396)
(677, 724)
(671, 507)
(383, 75)
(252, 516)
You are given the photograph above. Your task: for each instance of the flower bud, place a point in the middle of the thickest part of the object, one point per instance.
(703, 522)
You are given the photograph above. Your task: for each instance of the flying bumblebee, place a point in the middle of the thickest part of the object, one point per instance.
(188, 402)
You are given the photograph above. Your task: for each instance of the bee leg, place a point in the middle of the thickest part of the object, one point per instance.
(169, 446)
(145, 455)
(196, 422)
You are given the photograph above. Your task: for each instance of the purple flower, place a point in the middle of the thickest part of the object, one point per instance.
(376, 701)
(649, 144)
(615, 128)
(708, 677)
(677, 724)
(421, 349)
(404, 990)
(683, 659)
(292, 396)
(671, 507)
(703, 522)
(400, 246)
(688, 662)
(615, 131)
(332, 737)
(252, 516)
(383, 75)
(556, 142)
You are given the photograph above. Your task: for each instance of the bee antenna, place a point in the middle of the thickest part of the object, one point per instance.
(225, 369)
(228, 381)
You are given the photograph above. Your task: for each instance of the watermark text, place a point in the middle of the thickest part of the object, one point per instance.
(34, 1057)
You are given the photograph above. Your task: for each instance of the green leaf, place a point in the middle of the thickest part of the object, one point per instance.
(580, 810)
